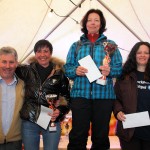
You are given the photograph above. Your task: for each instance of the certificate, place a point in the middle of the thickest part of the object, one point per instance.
(44, 118)
(136, 120)
(93, 72)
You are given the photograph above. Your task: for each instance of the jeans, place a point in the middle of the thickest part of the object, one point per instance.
(31, 136)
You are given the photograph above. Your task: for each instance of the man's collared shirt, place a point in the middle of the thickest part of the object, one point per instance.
(8, 103)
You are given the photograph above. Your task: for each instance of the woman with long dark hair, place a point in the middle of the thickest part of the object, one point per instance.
(133, 95)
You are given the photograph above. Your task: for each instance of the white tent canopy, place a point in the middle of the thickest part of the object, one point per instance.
(24, 22)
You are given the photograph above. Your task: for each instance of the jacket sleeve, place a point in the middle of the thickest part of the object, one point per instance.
(71, 63)
(118, 102)
(115, 64)
(64, 97)
(22, 72)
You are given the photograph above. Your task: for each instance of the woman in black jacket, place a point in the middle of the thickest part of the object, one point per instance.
(43, 77)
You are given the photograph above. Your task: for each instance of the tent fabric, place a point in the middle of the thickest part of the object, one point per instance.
(24, 22)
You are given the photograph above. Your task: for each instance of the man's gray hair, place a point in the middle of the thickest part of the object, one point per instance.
(9, 50)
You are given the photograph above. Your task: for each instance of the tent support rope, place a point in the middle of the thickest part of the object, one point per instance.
(56, 27)
(120, 20)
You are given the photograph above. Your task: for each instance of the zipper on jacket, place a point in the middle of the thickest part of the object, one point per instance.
(36, 115)
(91, 52)
(40, 89)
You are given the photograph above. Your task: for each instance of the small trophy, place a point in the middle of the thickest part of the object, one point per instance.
(67, 122)
(109, 48)
(51, 99)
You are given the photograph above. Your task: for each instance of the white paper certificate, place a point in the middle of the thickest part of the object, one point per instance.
(44, 118)
(93, 72)
(136, 120)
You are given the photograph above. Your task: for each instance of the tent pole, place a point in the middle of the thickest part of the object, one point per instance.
(120, 20)
(56, 27)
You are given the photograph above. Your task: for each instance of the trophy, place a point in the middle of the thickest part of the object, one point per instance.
(51, 99)
(67, 124)
(109, 48)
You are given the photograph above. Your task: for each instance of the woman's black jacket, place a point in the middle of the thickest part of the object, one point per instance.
(35, 92)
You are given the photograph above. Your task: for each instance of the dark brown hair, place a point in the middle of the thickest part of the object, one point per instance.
(42, 43)
(85, 19)
(131, 64)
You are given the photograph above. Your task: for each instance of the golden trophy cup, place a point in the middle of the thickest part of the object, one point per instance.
(51, 99)
(109, 48)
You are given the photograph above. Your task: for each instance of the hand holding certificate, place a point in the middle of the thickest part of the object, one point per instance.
(44, 118)
(93, 72)
(136, 120)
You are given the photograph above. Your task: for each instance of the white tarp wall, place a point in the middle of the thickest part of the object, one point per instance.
(24, 22)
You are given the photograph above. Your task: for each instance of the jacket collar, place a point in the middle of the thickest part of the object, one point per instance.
(56, 62)
(84, 38)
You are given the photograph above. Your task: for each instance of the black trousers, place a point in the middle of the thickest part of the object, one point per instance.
(16, 145)
(135, 144)
(84, 112)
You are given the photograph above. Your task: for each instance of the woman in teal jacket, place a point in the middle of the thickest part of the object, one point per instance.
(92, 102)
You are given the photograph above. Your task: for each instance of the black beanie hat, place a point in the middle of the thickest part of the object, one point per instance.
(43, 43)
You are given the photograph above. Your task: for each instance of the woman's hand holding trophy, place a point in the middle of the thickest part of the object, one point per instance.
(53, 102)
(109, 48)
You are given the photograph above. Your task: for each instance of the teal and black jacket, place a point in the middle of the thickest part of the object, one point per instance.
(82, 87)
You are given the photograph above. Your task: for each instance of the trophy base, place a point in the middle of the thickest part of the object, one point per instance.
(52, 127)
(101, 81)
